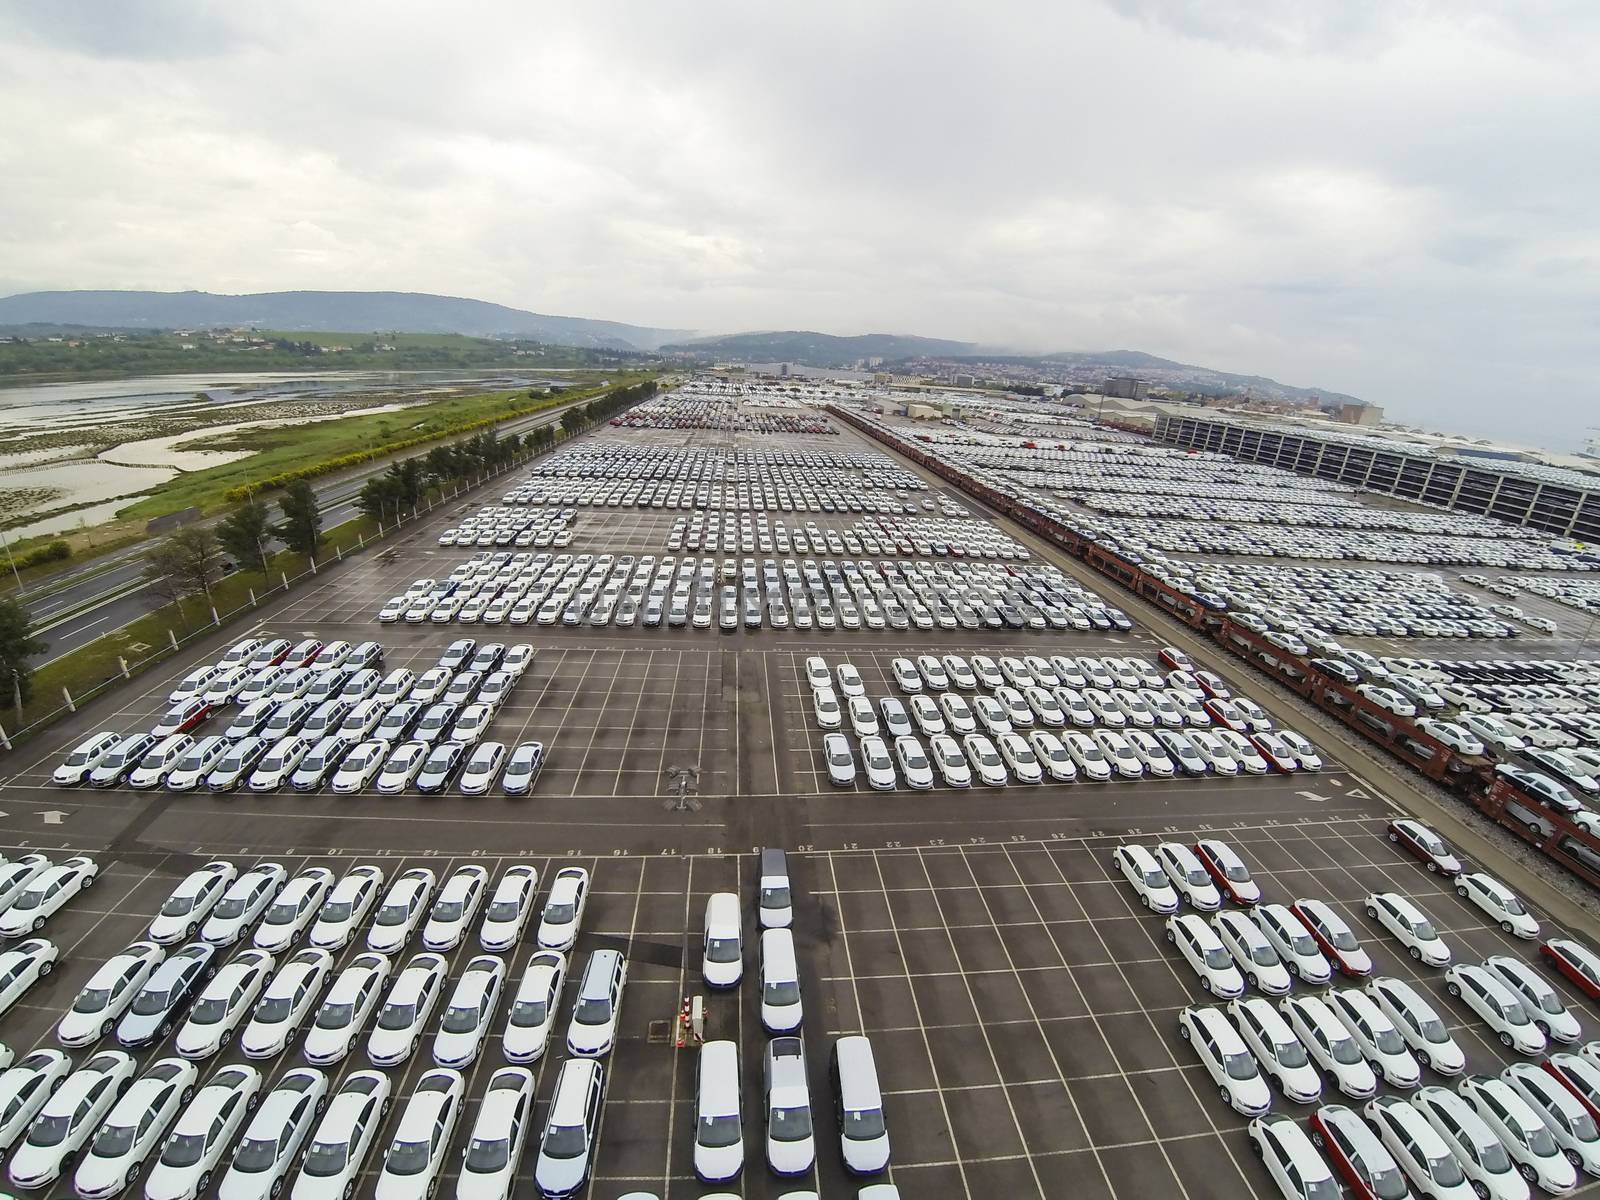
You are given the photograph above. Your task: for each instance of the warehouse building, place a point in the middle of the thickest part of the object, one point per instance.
(1553, 499)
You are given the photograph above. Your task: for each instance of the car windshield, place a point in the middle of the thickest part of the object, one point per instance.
(781, 993)
(525, 1014)
(558, 914)
(1291, 1054)
(1264, 956)
(393, 914)
(50, 1131)
(397, 1016)
(486, 1154)
(1326, 1188)
(338, 910)
(789, 1124)
(1511, 905)
(113, 1141)
(840, 757)
(209, 1011)
(407, 1158)
(1541, 1141)
(255, 1155)
(863, 1124)
(326, 1158)
(184, 1150)
(715, 1132)
(232, 907)
(1434, 1031)
(564, 1141)
(1155, 879)
(274, 1009)
(461, 1018)
(722, 950)
(1301, 943)
(1239, 1066)
(1513, 1013)
(148, 1003)
(335, 1016)
(1217, 958)
(1387, 1039)
(282, 913)
(1342, 939)
(92, 1000)
(592, 1012)
(1345, 1052)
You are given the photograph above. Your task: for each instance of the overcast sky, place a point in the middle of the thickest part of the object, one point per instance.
(1392, 198)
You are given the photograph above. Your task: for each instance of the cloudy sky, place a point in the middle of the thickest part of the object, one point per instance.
(1393, 198)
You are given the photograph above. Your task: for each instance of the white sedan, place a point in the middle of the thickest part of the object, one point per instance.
(1375, 1033)
(223, 1005)
(1258, 962)
(271, 1144)
(108, 992)
(245, 900)
(533, 1010)
(1422, 1028)
(68, 1119)
(984, 760)
(25, 1087)
(411, 1001)
(1276, 1048)
(1205, 954)
(465, 1023)
(346, 908)
(1410, 927)
(134, 1128)
(1499, 1007)
(203, 1132)
(1497, 900)
(344, 1012)
(563, 910)
(913, 762)
(1330, 1045)
(191, 902)
(293, 909)
(23, 965)
(401, 911)
(359, 769)
(286, 1003)
(508, 910)
(341, 1143)
(1543, 1002)
(46, 894)
(498, 1136)
(455, 908)
(15, 876)
(412, 1163)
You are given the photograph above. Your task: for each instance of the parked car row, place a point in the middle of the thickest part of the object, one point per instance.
(346, 731)
(951, 537)
(685, 409)
(504, 525)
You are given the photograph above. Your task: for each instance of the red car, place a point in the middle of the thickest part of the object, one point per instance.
(1226, 715)
(1175, 659)
(1212, 685)
(1577, 962)
(1424, 844)
(269, 654)
(1355, 1152)
(1580, 1077)
(1333, 937)
(1278, 756)
(303, 653)
(1227, 869)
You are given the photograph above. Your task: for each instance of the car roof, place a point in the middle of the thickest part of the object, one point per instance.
(572, 1090)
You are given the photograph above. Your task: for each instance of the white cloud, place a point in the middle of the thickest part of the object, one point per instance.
(1388, 197)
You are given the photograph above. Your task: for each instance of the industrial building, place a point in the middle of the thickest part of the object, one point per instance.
(1553, 499)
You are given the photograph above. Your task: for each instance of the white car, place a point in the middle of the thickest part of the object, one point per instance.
(204, 1131)
(946, 754)
(1226, 1059)
(293, 909)
(957, 713)
(191, 770)
(416, 1155)
(1424, 1031)
(1086, 754)
(134, 1128)
(402, 767)
(344, 1013)
(1258, 962)
(46, 894)
(1240, 750)
(1214, 752)
(1291, 1160)
(499, 1133)
(1191, 880)
(1543, 1002)
(465, 1024)
(286, 1004)
(68, 1118)
(223, 1005)
(1423, 1155)
(508, 910)
(1276, 1048)
(107, 994)
(592, 1030)
(1151, 755)
(335, 1160)
(22, 966)
(1206, 956)
(1476, 1147)
(563, 910)
(401, 911)
(841, 760)
(1149, 881)
(1410, 927)
(270, 1147)
(567, 1141)
(1497, 1005)
(533, 1009)
(1456, 737)
(1118, 753)
(84, 758)
(876, 763)
(455, 908)
(1302, 749)
(191, 902)
(346, 907)
(25, 1087)
(1019, 758)
(1565, 1115)
(359, 769)
(1502, 905)
(786, 1108)
(1375, 1033)
(245, 900)
(849, 680)
(410, 1002)
(1053, 756)
(1330, 1045)
(1521, 1131)
(984, 759)
(279, 763)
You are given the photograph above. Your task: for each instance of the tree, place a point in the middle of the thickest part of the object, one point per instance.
(573, 419)
(378, 499)
(301, 527)
(245, 532)
(17, 645)
(198, 561)
(440, 463)
(406, 479)
(163, 573)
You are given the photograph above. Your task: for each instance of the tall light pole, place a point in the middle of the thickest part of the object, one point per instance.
(15, 574)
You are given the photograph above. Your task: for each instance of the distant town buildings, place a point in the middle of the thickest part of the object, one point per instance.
(1126, 387)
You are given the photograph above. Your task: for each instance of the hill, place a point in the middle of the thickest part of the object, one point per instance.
(410, 312)
(818, 349)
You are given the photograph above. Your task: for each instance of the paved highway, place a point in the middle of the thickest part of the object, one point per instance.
(110, 591)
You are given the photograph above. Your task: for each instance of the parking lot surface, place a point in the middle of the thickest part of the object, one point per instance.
(1022, 1004)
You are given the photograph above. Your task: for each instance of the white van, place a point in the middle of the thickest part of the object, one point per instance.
(723, 961)
(858, 1104)
(780, 982)
(777, 905)
(718, 1123)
